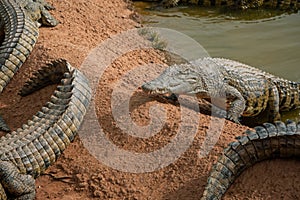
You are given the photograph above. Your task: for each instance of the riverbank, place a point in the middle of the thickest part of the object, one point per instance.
(77, 175)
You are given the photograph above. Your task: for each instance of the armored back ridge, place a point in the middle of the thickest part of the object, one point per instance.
(20, 35)
(34, 147)
(277, 140)
(248, 90)
(31, 149)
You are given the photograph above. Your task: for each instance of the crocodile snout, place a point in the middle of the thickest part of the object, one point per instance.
(146, 87)
(153, 88)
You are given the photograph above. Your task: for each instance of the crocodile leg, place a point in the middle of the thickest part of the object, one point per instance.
(237, 105)
(37, 11)
(274, 104)
(267, 141)
(17, 186)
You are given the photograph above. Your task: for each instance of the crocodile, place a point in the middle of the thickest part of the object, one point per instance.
(19, 32)
(248, 91)
(288, 5)
(278, 140)
(31, 149)
(28, 151)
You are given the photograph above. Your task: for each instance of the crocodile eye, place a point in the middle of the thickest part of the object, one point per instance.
(174, 84)
(183, 75)
(192, 79)
(186, 71)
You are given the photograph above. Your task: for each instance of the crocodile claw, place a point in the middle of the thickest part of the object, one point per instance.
(3, 125)
(233, 118)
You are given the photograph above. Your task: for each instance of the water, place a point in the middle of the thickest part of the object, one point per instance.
(264, 39)
(272, 43)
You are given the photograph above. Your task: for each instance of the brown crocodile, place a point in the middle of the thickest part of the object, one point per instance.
(28, 151)
(288, 5)
(278, 140)
(248, 90)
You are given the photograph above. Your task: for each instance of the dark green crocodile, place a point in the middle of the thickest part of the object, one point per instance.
(28, 151)
(292, 5)
(278, 140)
(248, 90)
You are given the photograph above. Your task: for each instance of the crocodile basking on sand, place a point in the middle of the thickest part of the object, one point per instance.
(247, 90)
(288, 5)
(19, 32)
(31, 149)
(278, 140)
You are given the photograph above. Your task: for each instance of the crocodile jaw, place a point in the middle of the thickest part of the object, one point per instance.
(152, 89)
(172, 86)
(174, 80)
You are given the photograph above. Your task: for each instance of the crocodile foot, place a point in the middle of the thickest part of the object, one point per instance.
(16, 185)
(233, 117)
(37, 10)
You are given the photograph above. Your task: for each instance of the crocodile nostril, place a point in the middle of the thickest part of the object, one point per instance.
(146, 87)
(174, 84)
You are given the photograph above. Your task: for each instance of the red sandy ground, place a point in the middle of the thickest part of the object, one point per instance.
(78, 175)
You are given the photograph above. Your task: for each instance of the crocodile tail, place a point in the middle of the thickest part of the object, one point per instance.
(267, 141)
(37, 144)
(44, 77)
(289, 94)
(20, 35)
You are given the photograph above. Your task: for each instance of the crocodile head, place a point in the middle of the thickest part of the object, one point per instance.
(176, 79)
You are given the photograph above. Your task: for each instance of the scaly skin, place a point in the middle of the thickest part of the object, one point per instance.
(30, 150)
(19, 21)
(277, 140)
(20, 35)
(240, 4)
(248, 90)
(37, 11)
